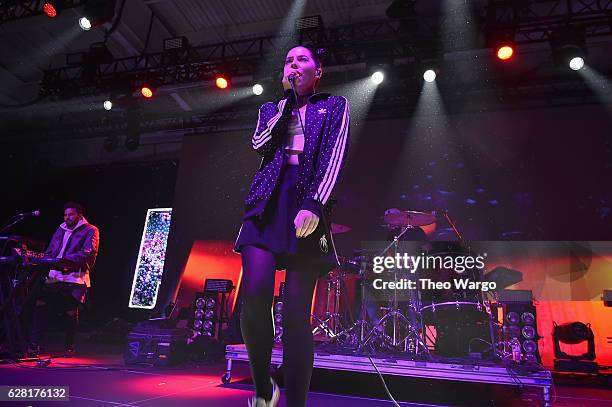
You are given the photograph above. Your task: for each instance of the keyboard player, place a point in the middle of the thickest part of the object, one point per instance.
(75, 240)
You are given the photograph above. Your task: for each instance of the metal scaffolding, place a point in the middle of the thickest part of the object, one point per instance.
(17, 10)
(527, 22)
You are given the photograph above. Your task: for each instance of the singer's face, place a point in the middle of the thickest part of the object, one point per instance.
(71, 217)
(299, 60)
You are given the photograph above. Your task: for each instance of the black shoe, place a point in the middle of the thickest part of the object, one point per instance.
(69, 352)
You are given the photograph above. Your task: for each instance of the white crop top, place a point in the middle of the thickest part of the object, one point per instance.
(294, 145)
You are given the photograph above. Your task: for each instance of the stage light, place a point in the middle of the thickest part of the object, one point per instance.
(530, 347)
(278, 319)
(147, 91)
(513, 331)
(50, 9)
(528, 318)
(520, 322)
(528, 332)
(209, 317)
(377, 77)
(576, 63)
(221, 82)
(573, 333)
(429, 75)
(277, 311)
(309, 23)
(257, 89)
(205, 315)
(512, 317)
(111, 143)
(175, 43)
(200, 303)
(569, 47)
(379, 63)
(96, 13)
(132, 139)
(84, 23)
(108, 105)
(505, 52)
(210, 303)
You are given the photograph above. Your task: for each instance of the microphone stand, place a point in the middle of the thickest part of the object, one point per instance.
(12, 222)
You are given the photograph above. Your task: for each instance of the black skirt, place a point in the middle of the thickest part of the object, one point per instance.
(275, 231)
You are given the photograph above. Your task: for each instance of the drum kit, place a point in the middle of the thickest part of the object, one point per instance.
(419, 322)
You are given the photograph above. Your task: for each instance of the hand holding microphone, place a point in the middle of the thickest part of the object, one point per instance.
(288, 80)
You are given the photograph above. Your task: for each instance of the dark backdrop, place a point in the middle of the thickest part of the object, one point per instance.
(519, 175)
(116, 198)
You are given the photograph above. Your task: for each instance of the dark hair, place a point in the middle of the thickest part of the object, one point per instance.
(74, 205)
(318, 54)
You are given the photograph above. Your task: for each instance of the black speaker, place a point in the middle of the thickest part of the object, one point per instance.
(520, 322)
(206, 313)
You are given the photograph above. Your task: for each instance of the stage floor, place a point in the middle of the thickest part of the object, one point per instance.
(98, 377)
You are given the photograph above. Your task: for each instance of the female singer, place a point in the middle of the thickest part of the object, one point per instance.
(303, 141)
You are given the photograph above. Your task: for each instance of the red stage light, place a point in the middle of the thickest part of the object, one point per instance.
(49, 9)
(505, 52)
(146, 92)
(221, 82)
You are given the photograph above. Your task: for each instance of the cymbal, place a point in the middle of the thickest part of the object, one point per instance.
(336, 228)
(408, 218)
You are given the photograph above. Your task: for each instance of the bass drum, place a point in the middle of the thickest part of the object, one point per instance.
(456, 314)
(434, 273)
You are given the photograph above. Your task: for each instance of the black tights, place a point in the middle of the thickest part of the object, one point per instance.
(259, 268)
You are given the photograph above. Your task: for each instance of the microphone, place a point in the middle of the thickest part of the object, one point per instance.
(28, 214)
(292, 76)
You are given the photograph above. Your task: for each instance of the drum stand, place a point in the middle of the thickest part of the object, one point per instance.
(331, 322)
(412, 342)
(354, 335)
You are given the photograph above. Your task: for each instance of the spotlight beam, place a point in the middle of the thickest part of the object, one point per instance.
(285, 36)
(360, 94)
(599, 84)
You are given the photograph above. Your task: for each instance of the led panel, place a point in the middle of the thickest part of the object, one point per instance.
(151, 256)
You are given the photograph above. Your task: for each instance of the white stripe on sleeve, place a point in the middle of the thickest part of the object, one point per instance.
(333, 167)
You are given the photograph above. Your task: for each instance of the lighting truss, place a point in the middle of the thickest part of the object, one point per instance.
(16, 10)
(534, 20)
(531, 22)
